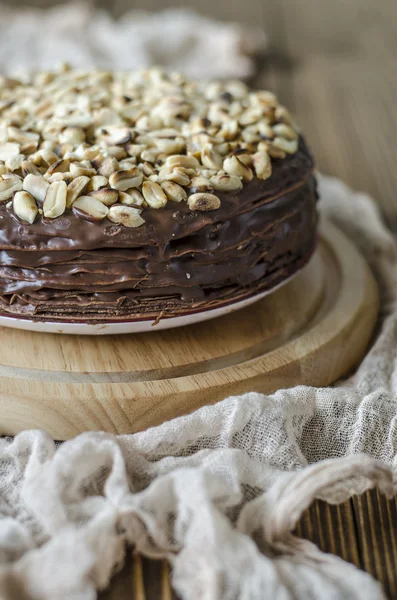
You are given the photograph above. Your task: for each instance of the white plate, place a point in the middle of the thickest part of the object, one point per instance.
(132, 326)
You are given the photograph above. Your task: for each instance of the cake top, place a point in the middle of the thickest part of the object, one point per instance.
(107, 145)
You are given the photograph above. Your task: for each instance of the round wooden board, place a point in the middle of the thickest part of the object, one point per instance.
(311, 331)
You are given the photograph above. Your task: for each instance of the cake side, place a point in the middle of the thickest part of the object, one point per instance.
(223, 261)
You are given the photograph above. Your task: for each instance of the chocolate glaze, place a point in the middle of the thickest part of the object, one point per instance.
(177, 261)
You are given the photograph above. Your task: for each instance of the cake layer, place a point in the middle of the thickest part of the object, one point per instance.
(172, 222)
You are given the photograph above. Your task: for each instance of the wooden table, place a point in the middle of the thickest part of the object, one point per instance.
(334, 63)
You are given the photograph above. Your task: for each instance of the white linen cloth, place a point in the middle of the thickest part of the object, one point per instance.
(217, 492)
(176, 38)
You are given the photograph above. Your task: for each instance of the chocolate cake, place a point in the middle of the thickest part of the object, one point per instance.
(146, 195)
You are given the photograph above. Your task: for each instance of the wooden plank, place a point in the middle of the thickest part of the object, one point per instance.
(140, 579)
(249, 13)
(376, 520)
(278, 64)
(157, 579)
(343, 90)
(332, 529)
(120, 587)
(362, 531)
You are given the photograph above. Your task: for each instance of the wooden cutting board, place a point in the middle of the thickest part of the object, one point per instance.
(311, 331)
